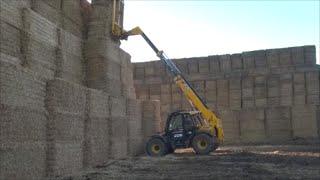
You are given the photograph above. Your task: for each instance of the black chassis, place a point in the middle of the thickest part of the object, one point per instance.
(178, 138)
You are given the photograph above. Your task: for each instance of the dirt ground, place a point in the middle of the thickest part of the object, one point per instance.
(229, 162)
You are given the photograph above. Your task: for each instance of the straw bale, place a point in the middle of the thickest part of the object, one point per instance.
(72, 27)
(69, 67)
(230, 124)
(312, 82)
(193, 66)
(150, 117)
(204, 65)
(41, 58)
(310, 55)
(10, 59)
(71, 9)
(297, 55)
(10, 40)
(248, 60)
(19, 87)
(285, 57)
(117, 106)
(139, 73)
(252, 125)
(46, 9)
(64, 158)
(236, 61)
(260, 58)
(66, 127)
(63, 96)
(11, 11)
(97, 145)
(103, 47)
(225, 63)
(273, 57)
(136, 146)
(278, 123)
(102, 67)
(39, 28)
(22, 124)
(304, 121)
(98, 102)
(214, 64)
(25, 160)
(55, 4)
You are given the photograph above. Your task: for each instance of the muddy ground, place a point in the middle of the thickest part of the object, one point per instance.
(237, 162)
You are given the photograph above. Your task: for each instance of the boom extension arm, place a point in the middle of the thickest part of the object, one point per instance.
(192, 96)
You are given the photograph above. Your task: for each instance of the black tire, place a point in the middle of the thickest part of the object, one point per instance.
(202, 144)
(156, 147)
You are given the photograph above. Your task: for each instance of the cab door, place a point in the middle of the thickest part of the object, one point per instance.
(189, 128)
(175, 131)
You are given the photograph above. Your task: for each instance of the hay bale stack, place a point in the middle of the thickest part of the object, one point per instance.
(11, 12)
(299, 89)
(151, 118)
(96, 150)
(230, 124)
(10, 40)
(66, 104)
(127, 75)
(22, 123)
(25, 160)
(278, 123)
(108, 66)
(104, 75)
(234, 93)
(118, 127)
(48, 9)
(71, 17)
(39, 43)
(69, 58)
(304, 121)
(223, 93)
(313, 91)
(248, 83)
(252, 125)
(135, 136)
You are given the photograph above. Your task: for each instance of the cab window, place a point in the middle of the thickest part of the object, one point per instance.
(176, 122)
(188, 123)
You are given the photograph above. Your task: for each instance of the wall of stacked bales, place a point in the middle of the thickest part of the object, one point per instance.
(261, 96)
(67, 99)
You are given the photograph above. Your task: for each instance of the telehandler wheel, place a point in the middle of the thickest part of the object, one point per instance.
(156, 147)
(202, 144)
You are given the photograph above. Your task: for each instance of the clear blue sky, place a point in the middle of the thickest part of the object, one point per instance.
(202, 28)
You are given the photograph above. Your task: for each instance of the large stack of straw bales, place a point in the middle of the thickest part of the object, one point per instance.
(67, 99)
(261, 96)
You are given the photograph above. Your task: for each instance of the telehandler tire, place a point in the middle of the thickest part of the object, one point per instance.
(202, 144)
(156, 147)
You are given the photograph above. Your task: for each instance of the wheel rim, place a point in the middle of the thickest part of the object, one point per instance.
(202, 144)
(155, 148)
